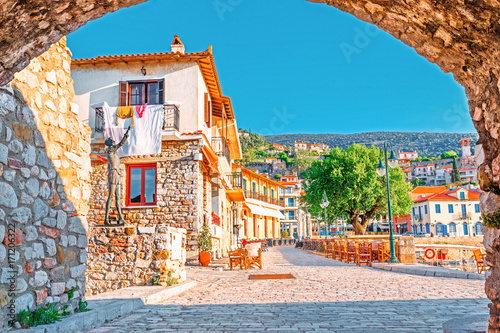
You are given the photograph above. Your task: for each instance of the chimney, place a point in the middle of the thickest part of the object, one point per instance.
(177, 45)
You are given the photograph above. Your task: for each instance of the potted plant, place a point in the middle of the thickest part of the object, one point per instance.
(284, 235)
(205, 244)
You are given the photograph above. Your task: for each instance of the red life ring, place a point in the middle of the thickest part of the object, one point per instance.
(432, 252)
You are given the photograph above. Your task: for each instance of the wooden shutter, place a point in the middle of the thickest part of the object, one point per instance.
(161, 91)
(123, 93)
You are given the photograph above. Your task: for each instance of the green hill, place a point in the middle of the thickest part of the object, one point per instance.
(426, 144)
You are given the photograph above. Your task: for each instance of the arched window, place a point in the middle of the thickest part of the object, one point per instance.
(439, 229)
(452, 229)
(272, 193)
(264, 190)
(254, 186)
(478, 228)
(245, 184)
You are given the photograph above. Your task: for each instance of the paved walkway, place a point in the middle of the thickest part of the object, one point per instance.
(326, 296)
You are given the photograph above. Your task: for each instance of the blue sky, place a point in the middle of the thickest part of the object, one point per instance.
(291, 66)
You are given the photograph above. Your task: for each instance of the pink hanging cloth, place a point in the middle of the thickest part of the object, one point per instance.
(140, 110)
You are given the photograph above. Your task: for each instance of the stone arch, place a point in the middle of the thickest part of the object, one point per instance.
(460, 36)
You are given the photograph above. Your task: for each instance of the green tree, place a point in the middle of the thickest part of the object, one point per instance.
(449, 154)
(353, 187)
(277, 176)
(302, 160)
(455, 173)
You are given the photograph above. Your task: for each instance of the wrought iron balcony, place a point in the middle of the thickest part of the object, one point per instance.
(220, 147)
(171, 117)
(236, 180)
(264, 198)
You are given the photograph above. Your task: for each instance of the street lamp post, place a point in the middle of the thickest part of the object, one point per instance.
(324, 204)
(391, 162)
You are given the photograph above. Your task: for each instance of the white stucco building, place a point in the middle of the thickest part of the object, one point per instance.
(453, 213)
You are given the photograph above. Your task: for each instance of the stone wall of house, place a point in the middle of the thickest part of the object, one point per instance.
(44, 186)
(132, 255)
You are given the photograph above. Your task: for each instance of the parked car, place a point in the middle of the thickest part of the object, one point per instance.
(408, 233)
(420, 234)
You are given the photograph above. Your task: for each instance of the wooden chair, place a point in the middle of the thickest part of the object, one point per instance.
(253, 255)
(375, 245)
(364, 254)
(328, 249)
(237, 257)
(481, 266)
(384, 251)
(351, 252)
(337, 251)
(343, 251)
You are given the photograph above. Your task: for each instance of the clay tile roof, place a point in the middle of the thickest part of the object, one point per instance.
(447, 167)
(420, 166)
(429, 189)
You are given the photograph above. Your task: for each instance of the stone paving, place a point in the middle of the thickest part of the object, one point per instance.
(326, 296)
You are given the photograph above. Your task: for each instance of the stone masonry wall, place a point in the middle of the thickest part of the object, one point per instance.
(122, 257)
(44, 186)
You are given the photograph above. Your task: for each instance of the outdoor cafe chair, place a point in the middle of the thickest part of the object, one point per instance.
(337, 250)
(364, 254)
(329, 249)
(253, 255)
(481, 266)
(343, 253)
(351, 252)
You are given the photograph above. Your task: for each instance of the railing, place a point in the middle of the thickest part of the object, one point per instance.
(236, 180)
(220, 147)
(99, 120)
(264, 198)
(171, 116)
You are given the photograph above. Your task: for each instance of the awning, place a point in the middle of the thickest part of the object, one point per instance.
(274, 213)
(259, 210)
(255, 209)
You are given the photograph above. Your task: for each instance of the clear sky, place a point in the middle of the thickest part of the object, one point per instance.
(291, 66)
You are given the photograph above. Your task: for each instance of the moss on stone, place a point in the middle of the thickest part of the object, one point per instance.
(492, 220)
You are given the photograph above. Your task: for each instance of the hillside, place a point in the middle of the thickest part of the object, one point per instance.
(426, 144)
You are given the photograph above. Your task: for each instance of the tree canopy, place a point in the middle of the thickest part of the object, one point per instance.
(353, 187)
(449, 154)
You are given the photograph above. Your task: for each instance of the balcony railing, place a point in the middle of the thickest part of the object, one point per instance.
(236, 180)
(171, 117)
(264, 198)
(220, 147)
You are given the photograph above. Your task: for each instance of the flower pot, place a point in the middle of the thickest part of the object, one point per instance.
(204, 258)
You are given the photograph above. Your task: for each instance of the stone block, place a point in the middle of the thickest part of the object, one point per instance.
(4, 298)
(12, 237)
(9, 175)
(31, 233)
(8, 198)
(38, 251)
(146, 230)
(40, 209)
(62, 218)
(71, 256)
(49, 263)
(4, 152)
(22, 302)
(3, 253)
(75, 225)
(26, 199)
(50, 246)
(2, 227)
(72, 240)
(83, 256)
(32, 186)
(63, 240)
(82, 242)
(39, 279)
(77, 270)
(41, 295)
(29, 155)
(57, 288)
(49, 232)
(21, 215)
(28, 268)
(60, 254)
(57, 273)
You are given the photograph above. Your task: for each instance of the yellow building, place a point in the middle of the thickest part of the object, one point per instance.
(260, 215)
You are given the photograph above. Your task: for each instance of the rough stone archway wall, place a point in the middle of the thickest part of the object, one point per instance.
(461, 37)
(29, 27)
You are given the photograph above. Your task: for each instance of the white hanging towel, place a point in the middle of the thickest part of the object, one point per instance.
(145, 135)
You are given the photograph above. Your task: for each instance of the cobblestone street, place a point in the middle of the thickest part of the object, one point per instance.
(325, 296)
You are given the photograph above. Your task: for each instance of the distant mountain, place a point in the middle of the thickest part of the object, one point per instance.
(426, 144)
